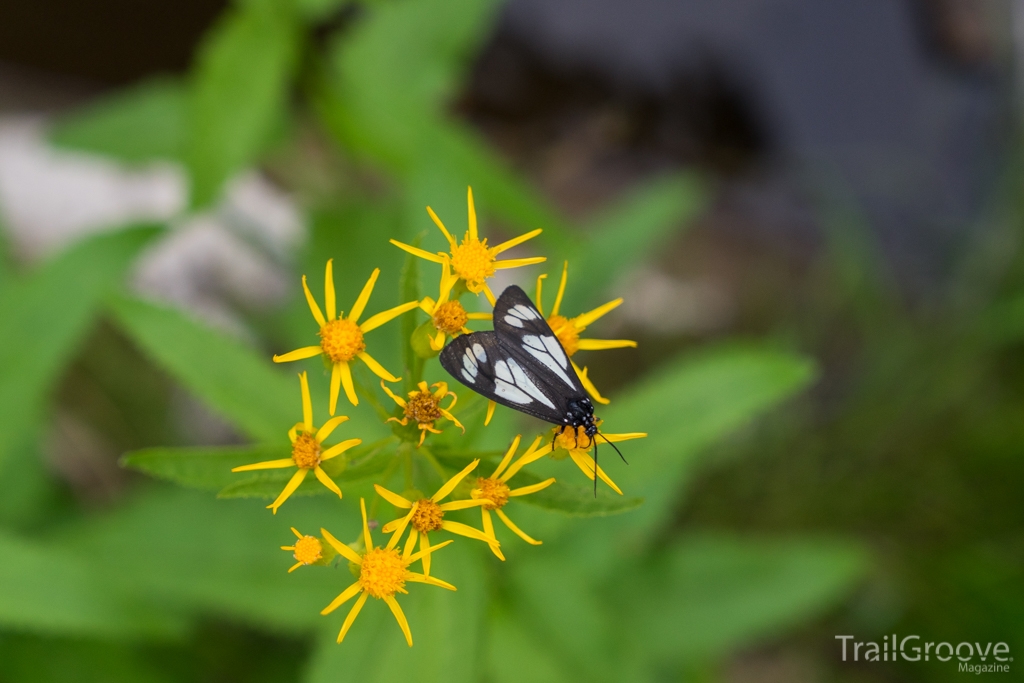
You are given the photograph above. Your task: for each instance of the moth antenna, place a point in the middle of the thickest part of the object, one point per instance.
(610, 444)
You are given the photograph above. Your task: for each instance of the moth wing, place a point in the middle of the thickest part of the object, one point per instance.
(482, 363)
(526, 334)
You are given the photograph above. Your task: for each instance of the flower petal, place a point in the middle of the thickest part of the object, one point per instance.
(400, 529)
(612, 438)
(328, 427)
(561, 289)
(437, 221)
(418, 252)
(265, 465)
(298, 354)
(313, 308)
(450, 485)
(539, 299)
(532, 488)
(364, 296)
(422, 553)
(508, 457)
(490, 295)
(463, 504)
(466, 530)
(393, 498)
(307, 404)
(505, 246)
(425, 548)
(329, 300)
(485, 514)
(532, 454)
(326, 480)
(289, 489)
(518, 532)
(421, 578)
(353, 613)
(518, 262)
(602, 344)
(345, 372)
(339, 448)
(367, 538)
(294, 566)
(491, 405)
(379, 319)
(588, 318)
(396, 609)
(342, 598)
(473, 234)
(342, 548)
(377, 368)
(588, 385)
(586, 465)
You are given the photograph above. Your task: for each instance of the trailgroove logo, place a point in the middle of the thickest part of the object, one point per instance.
(975, 658)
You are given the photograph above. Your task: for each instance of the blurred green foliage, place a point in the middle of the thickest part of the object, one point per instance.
(617, 591)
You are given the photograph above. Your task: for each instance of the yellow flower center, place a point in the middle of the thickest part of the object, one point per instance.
(569, 438)
(308, 550)
(450, 317)
(566, 333)
(473, 262)
(306, 451)
(382, 573)
(428, 516)
(423, 407)
(341, 340)
(495, 490)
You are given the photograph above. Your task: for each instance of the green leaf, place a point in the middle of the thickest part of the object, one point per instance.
(234, 380)
(394, 76)
(29, 659)
(47, 590)
(708, 596)
(46, 314)
(447, 630)
(239, 92)
(630, 231)
(515, 655)
(143, 123)
(687, 405)
(206, 468)
(218, 558)
(357, 465)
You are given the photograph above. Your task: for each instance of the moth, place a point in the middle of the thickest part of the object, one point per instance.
(522, 365)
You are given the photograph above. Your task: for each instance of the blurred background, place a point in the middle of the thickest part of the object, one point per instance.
(811, 208)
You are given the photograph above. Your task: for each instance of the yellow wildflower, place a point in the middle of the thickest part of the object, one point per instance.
(578, 444)
(307, 450)
(472, 260)
(494, 490)
(306, 551)
(425, 408)
(382, 573)
(341, 339)
(446, 314)
(430, 514)
(568, 330)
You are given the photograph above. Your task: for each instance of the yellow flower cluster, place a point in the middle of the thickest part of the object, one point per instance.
(384, 571)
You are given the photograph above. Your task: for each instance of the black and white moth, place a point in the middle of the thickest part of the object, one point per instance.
(522, 365)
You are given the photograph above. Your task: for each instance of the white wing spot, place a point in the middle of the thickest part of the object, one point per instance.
(502, 371)
(555, 349)
(550, 363)
(524, 312)
(533, 341)
(524, 382)
(510, 393)
(480, 353)
(469, 365)
(469, 377)
(513, 321)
